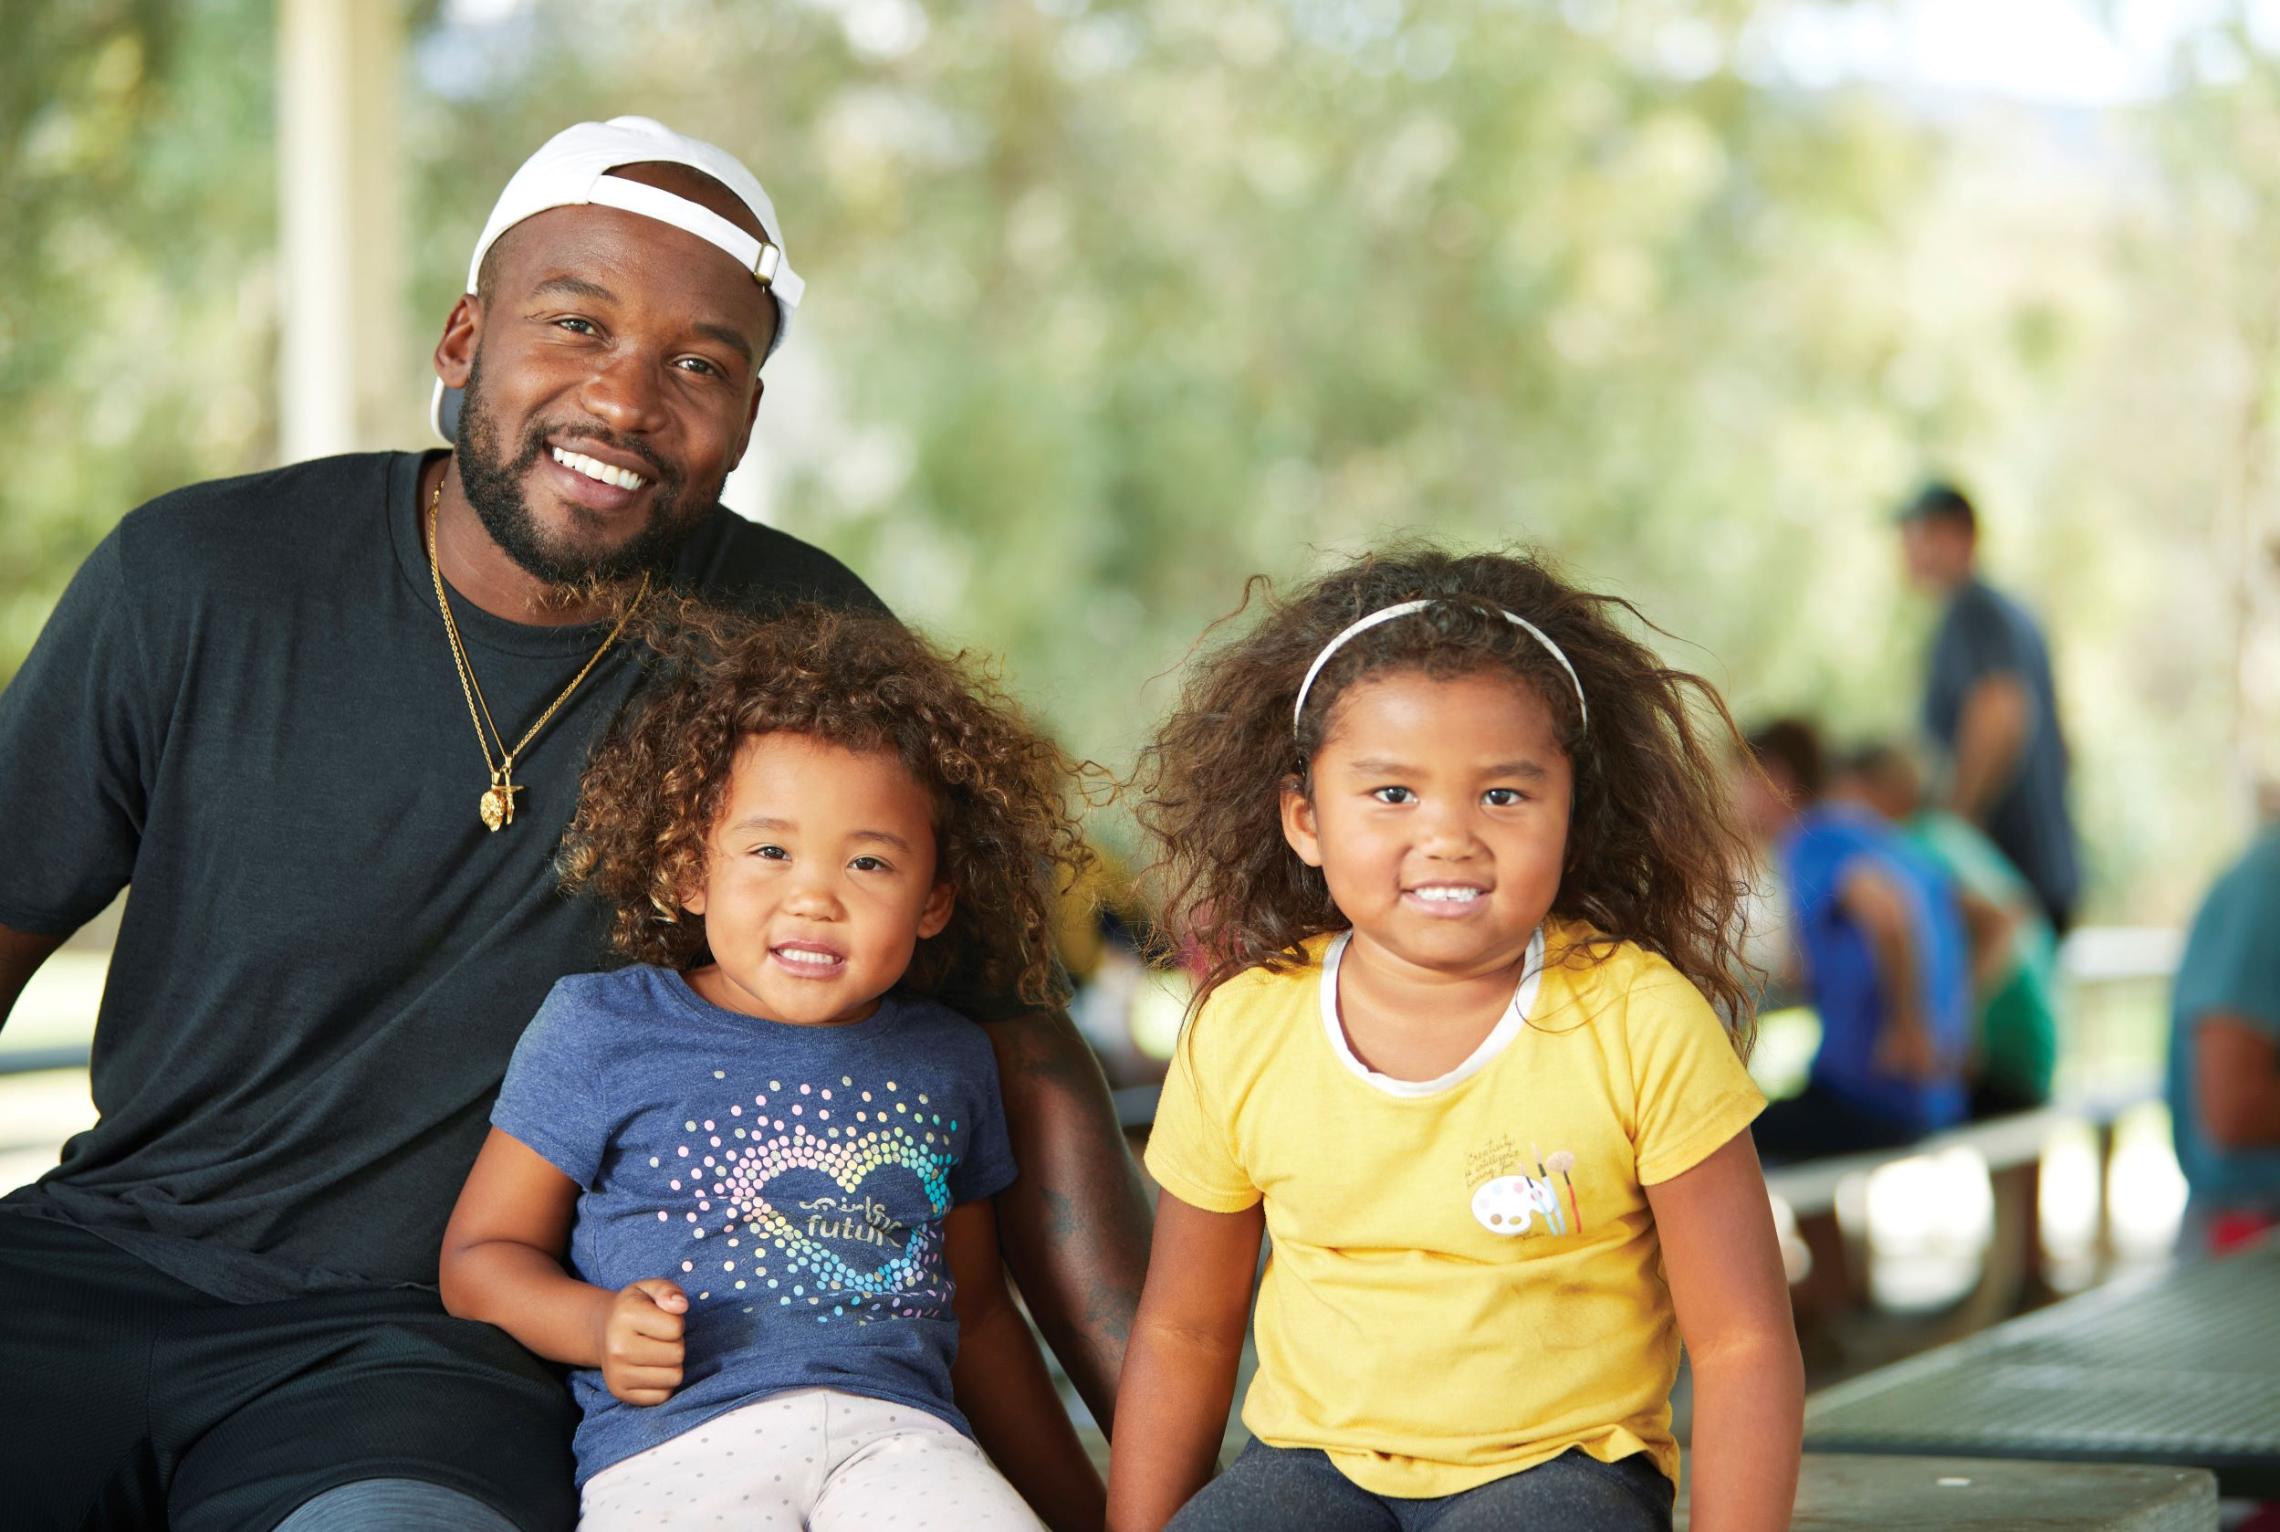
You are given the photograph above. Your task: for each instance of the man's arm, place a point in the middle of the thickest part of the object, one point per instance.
(1990, 736)
(21, 953)
(1002, 1388)
(2236, 1080)
(1075, 1225)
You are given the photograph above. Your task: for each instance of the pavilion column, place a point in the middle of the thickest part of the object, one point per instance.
(342, 354)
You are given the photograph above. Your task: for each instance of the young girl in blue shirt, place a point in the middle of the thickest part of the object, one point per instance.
(742, 1186)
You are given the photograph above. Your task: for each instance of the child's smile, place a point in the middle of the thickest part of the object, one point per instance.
(1448, 900)
(1438, 815)
(819, 882)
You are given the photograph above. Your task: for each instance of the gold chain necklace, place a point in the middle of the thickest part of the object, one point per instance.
(498, 806)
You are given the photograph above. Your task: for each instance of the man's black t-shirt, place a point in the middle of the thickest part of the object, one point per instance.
(245, 706)
(1985, 633)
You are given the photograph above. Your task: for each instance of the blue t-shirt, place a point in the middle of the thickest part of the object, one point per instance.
(793, 1180)
(1840, 965)
(2231, 964)
(1985, 633)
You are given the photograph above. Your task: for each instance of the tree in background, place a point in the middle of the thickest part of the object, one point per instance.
(1115, 303)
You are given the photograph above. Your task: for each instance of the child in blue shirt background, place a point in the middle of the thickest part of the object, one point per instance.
(1886, 961)
(2224, 1055)
(743, 1185)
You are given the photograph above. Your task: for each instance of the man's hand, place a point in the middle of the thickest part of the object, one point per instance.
(641, 1341)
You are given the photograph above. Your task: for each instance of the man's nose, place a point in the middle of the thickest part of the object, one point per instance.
(625, 393)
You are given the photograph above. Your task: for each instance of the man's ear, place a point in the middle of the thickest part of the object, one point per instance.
(462, 333)
(751, 413)
(1298, 822)
(935, 914)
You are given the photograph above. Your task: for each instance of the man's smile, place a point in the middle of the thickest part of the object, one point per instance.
(598, 470)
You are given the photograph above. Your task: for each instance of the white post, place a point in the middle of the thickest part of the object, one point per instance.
(341, 353)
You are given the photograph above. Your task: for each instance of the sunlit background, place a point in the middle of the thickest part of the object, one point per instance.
(1112, 304)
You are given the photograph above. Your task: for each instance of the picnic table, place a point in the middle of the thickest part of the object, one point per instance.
(1840, 1493)
(2180, 1368)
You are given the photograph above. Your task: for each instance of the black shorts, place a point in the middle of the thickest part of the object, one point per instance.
(128, 1399)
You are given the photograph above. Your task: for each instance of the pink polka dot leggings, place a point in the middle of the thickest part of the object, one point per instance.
(812, 1460)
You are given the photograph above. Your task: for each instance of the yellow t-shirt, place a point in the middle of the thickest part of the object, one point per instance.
(1464, 1279)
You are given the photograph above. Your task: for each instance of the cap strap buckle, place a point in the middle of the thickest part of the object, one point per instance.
(760, 257)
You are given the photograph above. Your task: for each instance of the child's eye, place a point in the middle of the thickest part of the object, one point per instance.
(1503, 797)
(1393, 795)
(772, 853)
(870, 864)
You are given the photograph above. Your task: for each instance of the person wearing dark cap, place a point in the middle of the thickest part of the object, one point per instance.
(329, 721)
(1990, 703)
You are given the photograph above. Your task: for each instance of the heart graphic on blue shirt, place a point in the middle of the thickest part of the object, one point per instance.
(869, 1221)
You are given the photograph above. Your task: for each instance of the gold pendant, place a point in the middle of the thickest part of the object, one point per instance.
(498, 808)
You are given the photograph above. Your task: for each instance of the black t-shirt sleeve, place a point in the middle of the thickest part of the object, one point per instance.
(80, 731)
(1988, 641)
(759, 570)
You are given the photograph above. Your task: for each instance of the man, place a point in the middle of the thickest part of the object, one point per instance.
(1991, 705)
(2224, 1055)
(337, 791)
(1882, 949)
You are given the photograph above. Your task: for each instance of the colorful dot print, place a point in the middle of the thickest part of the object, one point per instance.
(795, 1249)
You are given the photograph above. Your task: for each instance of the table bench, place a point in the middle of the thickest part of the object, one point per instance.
(2181, 1368)
(1843, 1493)
(2011, 1147)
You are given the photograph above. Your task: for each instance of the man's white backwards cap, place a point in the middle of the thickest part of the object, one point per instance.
(573, 170)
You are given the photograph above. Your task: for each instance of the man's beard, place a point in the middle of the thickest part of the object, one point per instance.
(495, 489)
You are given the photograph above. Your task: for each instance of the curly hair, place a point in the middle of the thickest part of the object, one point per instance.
(1652, 851)
(657, 783)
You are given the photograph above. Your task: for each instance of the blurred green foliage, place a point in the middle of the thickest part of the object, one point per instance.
(1113, 303)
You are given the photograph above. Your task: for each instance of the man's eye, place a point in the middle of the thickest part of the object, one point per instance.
(1503, 797)
(1393, 795)
(576, 326)
(700, 367)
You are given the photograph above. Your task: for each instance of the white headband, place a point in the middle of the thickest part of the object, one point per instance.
(1403, 609)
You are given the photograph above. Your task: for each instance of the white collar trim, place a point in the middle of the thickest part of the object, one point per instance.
(1507, 1027)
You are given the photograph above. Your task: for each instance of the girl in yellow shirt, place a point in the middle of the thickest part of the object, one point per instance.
(1455, 845)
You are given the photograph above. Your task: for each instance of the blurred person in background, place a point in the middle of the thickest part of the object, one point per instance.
(1991, 705)
(2224, 1054)
(1882, 950)
(1097, 922)
(2014, 954)
(337, 792)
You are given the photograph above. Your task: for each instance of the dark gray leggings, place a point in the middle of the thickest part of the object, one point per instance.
(1276, 1487)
